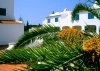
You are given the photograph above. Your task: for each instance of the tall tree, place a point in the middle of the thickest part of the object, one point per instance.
(27, 25)
(53, 12)
(20, 19)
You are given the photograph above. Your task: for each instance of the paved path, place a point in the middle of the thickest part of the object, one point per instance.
(9, 67)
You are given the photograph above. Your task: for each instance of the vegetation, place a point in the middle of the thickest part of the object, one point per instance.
(20, 19)
(29, 37)
(53, 12)
(55, 54)
(29, 26)
(51, 57)
(66, 50)
(72, 36)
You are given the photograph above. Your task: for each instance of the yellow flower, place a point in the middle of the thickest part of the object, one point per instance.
(71, 36)
(91, 44)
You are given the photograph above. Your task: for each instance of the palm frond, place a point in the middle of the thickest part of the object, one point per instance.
(31, 36)
(51, 56)
(48, 57)
(82, 6)
(98, 2)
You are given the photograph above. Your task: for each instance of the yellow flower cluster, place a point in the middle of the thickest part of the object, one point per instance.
(71, 36)
(93, 44)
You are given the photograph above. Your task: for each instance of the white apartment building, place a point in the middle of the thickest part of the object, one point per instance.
(82, 19)
(10, 29)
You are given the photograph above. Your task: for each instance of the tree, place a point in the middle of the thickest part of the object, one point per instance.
(94, 11)
(83, 6)
(20, 19)
(91, 1)
(53, 55)
(27, 26)
(46, 33)
(45, 58)
(53, 12)
(39, 25)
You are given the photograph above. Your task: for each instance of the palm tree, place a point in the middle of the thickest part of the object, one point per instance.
(83, 6)
(46, 33)
(48, 57)
(52, 55)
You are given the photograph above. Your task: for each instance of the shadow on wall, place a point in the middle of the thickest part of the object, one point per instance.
(87, 28)
(65, 27)
(77, 27)
(90, 28)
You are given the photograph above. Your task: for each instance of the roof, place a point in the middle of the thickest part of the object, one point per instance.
(58, 14)
(10, 22)
(52, 16)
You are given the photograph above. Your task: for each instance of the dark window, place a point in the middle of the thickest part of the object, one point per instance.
(90, 16)
(77, 27)
(56, 19)
(48, 20)
(2, 11)
(77, 17)
(89, 27)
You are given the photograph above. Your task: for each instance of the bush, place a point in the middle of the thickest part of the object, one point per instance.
(92, 45)
(92, 52)
(72, 36)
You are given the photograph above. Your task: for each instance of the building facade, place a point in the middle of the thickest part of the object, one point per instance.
(10, 29)
(6, 9)
(82, 20)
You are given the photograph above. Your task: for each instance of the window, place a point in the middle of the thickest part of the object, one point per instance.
(77, 17)
(89, 27)
(48, 20)
(56, 19)
(2, 11)
(90, 16)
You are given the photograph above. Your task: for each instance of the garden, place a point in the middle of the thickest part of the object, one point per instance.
(61, 50)
(68, 49)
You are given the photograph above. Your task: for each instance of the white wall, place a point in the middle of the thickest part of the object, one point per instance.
(10, 33)
(52, 21)
(66, 21)
(9, 5)
(83, 20)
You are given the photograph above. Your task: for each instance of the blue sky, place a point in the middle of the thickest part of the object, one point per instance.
(35, 10)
